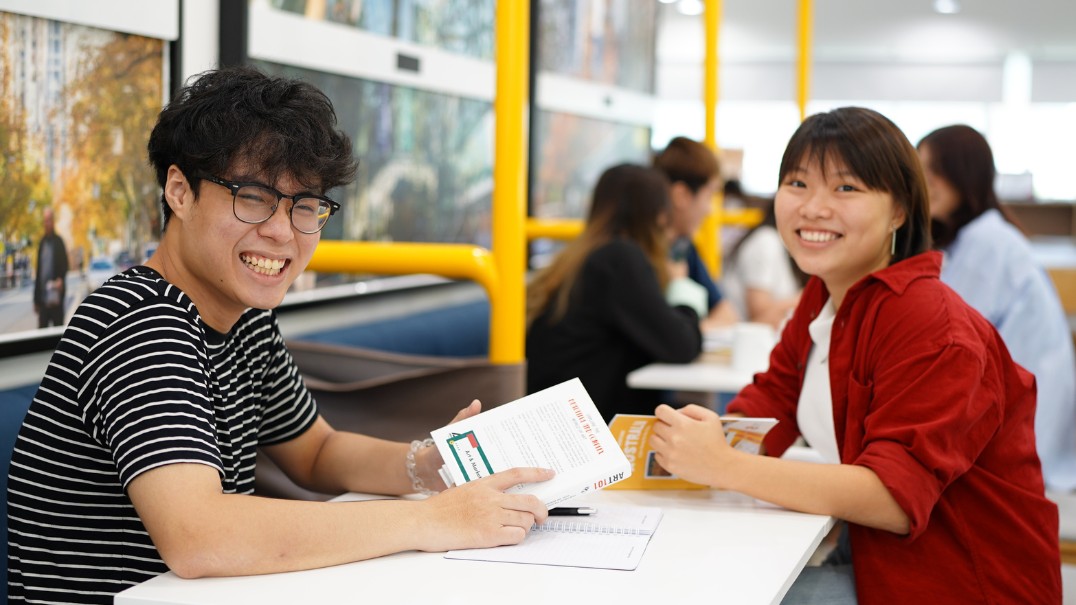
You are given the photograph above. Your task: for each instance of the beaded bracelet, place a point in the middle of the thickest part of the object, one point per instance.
(416, 481)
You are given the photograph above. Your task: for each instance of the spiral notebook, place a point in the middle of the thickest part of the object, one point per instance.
(614, 537)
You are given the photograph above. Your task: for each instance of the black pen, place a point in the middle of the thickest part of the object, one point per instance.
(569, 511)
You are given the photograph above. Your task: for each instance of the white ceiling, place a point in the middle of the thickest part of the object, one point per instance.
(878, 49)
(880, 30)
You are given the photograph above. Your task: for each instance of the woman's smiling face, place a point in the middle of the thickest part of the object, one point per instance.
(833, 225)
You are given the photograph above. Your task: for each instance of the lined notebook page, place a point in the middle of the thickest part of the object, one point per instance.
(613, 538)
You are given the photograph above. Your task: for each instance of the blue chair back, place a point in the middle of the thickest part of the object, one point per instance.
(13, 406)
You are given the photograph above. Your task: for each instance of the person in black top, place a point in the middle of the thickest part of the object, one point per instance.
(694, 178)
(600, 309)
(51, 277)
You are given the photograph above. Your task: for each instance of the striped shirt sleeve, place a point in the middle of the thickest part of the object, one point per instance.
(148, 400)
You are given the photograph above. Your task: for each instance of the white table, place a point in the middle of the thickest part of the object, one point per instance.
(710, 546)
(713, 371)
(702, 375)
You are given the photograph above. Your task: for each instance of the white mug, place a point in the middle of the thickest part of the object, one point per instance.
(751, 346)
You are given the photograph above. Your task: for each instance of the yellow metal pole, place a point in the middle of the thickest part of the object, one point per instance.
(743, 217)
(708, 239)
(507, 302)
(806, 26)
(456, 261)
(563, 229)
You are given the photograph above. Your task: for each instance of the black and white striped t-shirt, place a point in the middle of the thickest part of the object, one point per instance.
(137, 382)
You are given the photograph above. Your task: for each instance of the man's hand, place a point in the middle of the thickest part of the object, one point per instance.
(428, 460)
(201, 531)
(478, 514)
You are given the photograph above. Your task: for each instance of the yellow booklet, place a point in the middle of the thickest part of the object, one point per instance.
(632, 432)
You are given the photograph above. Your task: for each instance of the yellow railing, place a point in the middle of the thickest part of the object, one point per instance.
(554, 228)
(803, 71)
(741, 217)
(455, 261)
(708, 237)
(565, 229)
(508, 312)
(501, 272)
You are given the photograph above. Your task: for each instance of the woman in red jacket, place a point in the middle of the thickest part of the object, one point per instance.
(890, 376)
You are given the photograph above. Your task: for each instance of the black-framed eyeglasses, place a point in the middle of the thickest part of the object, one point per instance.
(255, 203)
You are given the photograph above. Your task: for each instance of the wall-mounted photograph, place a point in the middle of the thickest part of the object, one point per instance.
(78, 202)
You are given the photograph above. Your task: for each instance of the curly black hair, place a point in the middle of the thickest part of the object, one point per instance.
(238, 118)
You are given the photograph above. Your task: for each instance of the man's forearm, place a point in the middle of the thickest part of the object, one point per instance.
(348, 462)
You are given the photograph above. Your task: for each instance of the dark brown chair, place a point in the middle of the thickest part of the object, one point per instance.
(389, 395)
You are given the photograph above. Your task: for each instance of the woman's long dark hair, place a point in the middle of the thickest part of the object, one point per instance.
(628, 202)
(962, 156)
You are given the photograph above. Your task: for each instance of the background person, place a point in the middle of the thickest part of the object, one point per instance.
(760, 280)
(50, 280)
(600, 309)
(138, 451)
(911, 395)
(990, 265)
(694, 176)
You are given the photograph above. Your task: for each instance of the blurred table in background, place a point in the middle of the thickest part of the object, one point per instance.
(730, 359)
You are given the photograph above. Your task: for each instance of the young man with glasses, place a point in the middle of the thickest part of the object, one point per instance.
(137, 455)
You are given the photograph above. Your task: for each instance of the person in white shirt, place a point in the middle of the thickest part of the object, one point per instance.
(760, 279)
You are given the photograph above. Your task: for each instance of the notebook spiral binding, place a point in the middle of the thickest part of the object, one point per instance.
(574, 527)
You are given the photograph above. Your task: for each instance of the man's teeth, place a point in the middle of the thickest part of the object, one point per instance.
(818, 236)
(266, 266)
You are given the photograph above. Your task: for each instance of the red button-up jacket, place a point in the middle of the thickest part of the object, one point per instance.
(926, 395)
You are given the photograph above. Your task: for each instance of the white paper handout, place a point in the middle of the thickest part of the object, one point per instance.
(557, 428)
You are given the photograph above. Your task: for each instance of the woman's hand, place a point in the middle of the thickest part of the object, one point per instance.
(677, 269)
(690, 443)
(478, 514)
